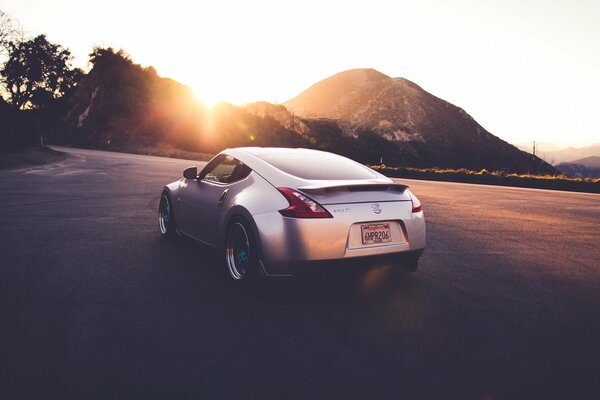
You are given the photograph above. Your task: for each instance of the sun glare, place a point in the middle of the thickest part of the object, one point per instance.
(207, 95)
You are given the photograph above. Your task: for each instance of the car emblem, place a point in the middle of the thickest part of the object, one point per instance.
(376, 208)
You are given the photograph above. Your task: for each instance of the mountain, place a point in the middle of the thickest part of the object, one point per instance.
(332, 135)
(588, 167)
(556, 155)
(433, 131)
(120, 105)
(119, 102)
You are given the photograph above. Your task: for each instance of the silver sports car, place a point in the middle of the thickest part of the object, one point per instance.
(279, 211)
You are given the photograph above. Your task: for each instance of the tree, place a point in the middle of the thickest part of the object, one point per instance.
(108, 55)
(38, 72)
(10, 32)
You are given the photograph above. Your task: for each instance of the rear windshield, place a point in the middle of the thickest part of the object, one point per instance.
(318, 166)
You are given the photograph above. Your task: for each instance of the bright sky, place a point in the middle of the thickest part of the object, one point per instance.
(524, 69)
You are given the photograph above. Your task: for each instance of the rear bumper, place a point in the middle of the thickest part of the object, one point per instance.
(291, 246)
(294, 268)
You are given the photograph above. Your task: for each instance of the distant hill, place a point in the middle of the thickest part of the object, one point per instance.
(433, 131)
(120, 105)
(119, 102)
(555, 155)
(588, 167)
(332, 135)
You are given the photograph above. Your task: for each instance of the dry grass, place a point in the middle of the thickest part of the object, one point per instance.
(554, 182)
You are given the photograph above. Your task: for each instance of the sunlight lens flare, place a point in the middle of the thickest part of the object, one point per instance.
(207, 95)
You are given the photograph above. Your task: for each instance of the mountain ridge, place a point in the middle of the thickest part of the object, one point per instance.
(120, 105)
(402, 112)
(555, 155)
(588, 167)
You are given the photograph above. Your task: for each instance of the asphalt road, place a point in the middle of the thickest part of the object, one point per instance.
(93, 304)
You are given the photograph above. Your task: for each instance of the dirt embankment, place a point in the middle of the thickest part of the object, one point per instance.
(30, 156)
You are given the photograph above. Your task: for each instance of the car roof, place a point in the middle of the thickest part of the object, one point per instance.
(259, 151)
(251, 156)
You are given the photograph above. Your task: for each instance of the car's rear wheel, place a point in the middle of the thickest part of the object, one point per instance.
(166, 217)
(241, 256)
(410, 263)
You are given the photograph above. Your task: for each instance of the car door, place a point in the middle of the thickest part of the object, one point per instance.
(205, 198)
(186, 203)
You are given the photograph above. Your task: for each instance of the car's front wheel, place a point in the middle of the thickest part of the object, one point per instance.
(241, 257)
(166, 216)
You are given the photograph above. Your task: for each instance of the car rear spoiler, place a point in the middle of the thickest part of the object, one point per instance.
(353, 187)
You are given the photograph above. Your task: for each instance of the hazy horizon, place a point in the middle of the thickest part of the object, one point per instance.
(524, 70)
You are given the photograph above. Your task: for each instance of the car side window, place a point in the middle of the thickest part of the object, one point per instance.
(241, 172)
(226, 169)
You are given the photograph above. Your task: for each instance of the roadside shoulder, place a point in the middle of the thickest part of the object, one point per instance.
(30, 156)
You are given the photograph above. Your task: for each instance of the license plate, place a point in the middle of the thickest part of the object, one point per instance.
(376, 233)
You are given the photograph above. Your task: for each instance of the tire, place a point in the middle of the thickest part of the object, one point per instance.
(166, 217)
(241, 252)
(410, 263)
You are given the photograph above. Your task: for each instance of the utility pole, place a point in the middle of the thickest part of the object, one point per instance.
(534, 148)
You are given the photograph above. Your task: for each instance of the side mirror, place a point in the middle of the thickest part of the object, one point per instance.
(190, 173)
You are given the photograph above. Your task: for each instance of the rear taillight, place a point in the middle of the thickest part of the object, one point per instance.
(416, 204)
(301, 206)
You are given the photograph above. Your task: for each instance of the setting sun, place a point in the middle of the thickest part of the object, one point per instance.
(207, 95)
